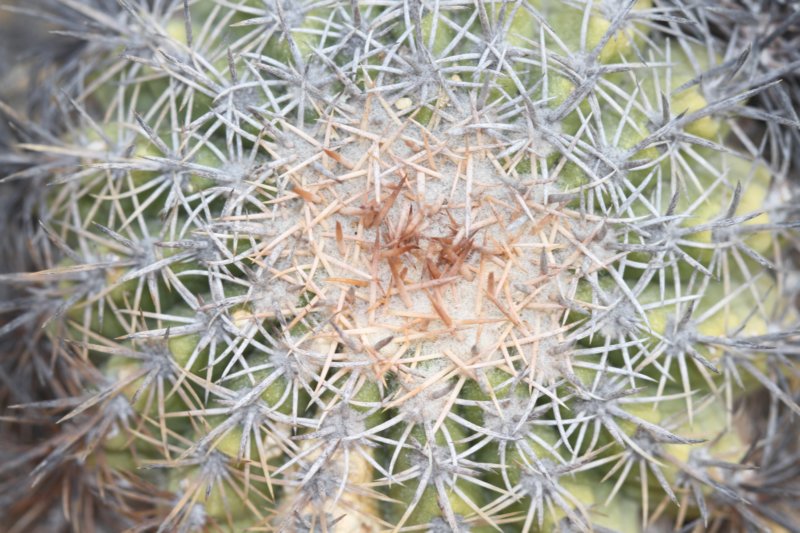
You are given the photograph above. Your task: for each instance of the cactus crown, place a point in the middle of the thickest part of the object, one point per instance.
(422, 265)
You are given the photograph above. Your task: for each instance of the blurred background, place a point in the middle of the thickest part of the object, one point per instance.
(23, 39)
(20, 37)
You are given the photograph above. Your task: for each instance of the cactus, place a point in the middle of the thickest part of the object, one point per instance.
(511, 265)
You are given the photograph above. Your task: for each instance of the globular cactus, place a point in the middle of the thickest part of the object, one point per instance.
(424, 265)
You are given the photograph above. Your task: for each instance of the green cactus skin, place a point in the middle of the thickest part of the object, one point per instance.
(427, 265)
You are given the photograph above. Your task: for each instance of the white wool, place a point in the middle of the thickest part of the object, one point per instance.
(475, 290)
